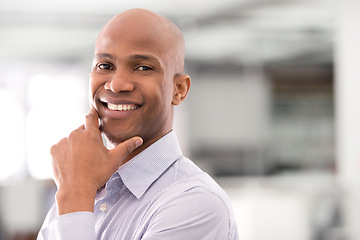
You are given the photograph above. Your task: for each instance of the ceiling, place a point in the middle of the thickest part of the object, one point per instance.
(237, 31)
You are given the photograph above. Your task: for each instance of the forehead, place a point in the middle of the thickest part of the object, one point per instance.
(136, 33)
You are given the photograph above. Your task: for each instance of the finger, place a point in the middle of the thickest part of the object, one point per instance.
(91, 119)
(82, 127)
(122, 150)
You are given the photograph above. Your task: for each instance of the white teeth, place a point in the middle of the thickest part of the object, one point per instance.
(112, 106)
(121, 107)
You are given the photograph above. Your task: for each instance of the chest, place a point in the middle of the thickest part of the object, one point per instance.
(121, 215)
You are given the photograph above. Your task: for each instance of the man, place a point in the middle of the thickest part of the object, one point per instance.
(141, 186)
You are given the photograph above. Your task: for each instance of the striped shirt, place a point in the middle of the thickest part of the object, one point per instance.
(159, 194)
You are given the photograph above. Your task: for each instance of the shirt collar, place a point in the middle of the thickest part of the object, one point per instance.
(142, 170)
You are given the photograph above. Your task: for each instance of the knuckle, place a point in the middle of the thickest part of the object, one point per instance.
(73, 134)
(93, 135)
(53, 149)
(89, 116)
(129, 148)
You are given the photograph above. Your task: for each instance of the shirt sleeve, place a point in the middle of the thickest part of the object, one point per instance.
(77, 225)
(194, 215)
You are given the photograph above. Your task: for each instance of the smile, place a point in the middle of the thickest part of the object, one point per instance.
(122, 107)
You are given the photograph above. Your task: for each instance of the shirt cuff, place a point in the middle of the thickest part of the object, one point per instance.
(76, 225)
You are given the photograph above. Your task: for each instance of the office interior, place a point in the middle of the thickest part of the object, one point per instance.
(272, 112)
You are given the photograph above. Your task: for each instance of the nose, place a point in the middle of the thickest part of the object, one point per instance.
(120, 82)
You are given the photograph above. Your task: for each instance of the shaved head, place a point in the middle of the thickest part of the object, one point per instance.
(139, 65)
(150, 27)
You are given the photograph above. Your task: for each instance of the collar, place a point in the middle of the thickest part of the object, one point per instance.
(142, 170)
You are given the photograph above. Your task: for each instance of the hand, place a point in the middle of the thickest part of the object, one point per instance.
(82, 164)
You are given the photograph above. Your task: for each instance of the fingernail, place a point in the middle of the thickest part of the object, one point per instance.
(138, 142)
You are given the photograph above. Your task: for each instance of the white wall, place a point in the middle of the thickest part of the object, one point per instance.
(229, 111)
(348, 111)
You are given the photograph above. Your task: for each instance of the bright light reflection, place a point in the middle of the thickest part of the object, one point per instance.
(12, 135)
(57, 108)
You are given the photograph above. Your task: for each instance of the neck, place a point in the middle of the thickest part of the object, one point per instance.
(111, 145)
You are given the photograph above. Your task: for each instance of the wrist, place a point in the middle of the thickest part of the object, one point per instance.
(74, 201)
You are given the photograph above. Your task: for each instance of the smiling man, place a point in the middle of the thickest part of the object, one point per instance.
(140, 186)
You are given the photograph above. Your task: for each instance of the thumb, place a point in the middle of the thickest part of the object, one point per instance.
(122, 150)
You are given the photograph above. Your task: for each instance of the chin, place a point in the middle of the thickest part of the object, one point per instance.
(114, 136)
(114, 140)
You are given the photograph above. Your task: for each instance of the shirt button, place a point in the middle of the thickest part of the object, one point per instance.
(103, 207)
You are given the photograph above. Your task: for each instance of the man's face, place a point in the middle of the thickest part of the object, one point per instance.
(132, 83)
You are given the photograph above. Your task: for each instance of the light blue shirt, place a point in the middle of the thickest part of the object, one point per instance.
(158, 195)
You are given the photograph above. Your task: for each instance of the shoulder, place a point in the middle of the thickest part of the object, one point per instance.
(184, 180)
(193, 202)
(191, 178)
(196, 202)
(195, 213)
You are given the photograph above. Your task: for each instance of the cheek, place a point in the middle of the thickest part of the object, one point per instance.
(164, 95)
(168, 91)
(94, 85)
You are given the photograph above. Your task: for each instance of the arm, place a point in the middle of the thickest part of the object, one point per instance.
(82, 164)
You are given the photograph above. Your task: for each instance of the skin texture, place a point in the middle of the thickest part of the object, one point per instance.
(138, 64)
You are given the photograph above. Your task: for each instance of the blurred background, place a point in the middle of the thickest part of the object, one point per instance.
(271, 114)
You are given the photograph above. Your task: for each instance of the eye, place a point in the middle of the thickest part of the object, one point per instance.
(144, 68)
(104, 66)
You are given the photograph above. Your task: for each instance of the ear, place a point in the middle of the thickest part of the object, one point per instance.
(181, 88)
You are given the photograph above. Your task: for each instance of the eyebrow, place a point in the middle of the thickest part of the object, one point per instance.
(104, 55)
(132, 57)
(145, 57)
